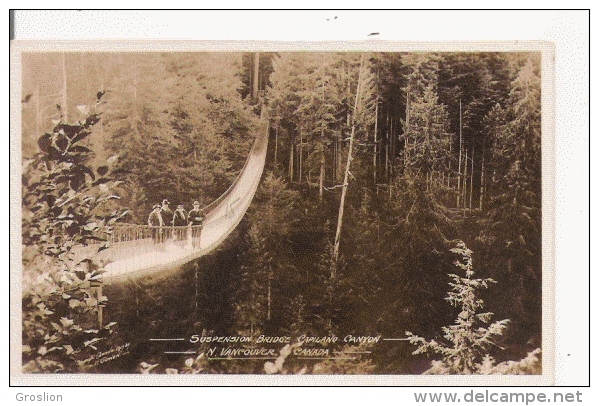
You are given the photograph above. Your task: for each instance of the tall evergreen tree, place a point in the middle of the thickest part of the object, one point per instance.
(515, 196)
(267, 269)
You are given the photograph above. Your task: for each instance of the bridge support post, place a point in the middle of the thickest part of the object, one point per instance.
(197, 272)
(100, 308)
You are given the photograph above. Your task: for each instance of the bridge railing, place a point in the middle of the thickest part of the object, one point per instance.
(128, 240)
(126, 232)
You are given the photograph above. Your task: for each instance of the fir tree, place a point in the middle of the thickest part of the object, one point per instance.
(515, 198)
(470, 338)
(266, 269)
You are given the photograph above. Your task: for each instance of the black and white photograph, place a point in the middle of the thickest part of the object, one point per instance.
(277, 212)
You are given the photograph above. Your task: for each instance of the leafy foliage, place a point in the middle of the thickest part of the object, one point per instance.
(67, 218)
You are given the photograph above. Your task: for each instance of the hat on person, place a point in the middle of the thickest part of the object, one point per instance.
(165, 201)
(196, 203)
(156, 206)
(180, 206)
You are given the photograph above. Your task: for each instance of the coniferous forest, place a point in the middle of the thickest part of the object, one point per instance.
(397, 221)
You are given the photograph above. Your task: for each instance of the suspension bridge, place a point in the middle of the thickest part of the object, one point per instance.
(139, 250)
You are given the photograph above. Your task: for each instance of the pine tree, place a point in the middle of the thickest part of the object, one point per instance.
(426, 135)
(267, 268)
(515, 195)
(468, 341)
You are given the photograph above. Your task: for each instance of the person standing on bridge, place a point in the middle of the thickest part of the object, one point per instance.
(179, 220)
(195, 220)
(180, 216)
(156, 222)
(167, 213)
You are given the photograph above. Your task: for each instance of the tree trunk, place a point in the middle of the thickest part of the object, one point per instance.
(276, 142)
(376, 122)
(482, 180)
(387, 150)
(449, 167)
(291, 154)
(392, 157)
(406, 131)
(197, 293)
(347, 170)
(136, 301)
(64, 110)
(100, 75)
(255, 78)
(460, 159)
(387, 159)
(38, 113)
(339, 166)
(464, 181)
(471, 177)
(136, 115)
(100, 308)
(322, 165)
(300, 157)
(335, 146)
(269, 294)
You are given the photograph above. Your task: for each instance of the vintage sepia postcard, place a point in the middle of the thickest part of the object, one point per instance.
(359, 213)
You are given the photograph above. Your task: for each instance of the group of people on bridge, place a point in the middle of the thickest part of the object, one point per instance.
(162, 217)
